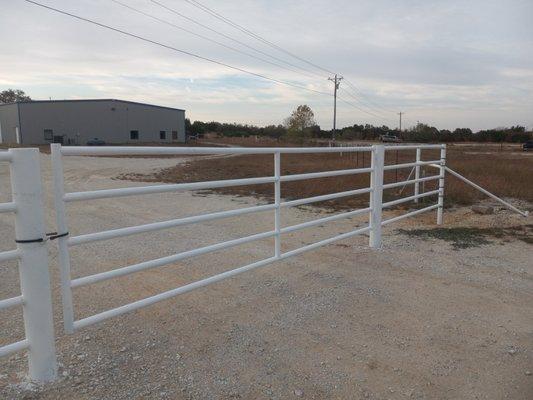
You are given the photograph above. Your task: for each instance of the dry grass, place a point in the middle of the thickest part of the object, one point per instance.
(506, 173)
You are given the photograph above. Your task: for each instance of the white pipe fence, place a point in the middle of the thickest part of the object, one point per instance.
(32, 257)
(374, 211)
(31, 253)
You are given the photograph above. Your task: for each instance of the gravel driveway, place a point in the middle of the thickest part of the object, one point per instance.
(415, 320)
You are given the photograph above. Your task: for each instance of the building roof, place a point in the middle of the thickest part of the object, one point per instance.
(87, 100)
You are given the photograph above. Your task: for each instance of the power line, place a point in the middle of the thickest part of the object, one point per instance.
(173, 48)
(362, 103)
(231, 38)
(168, 47)
(357, 90)
(363, 110)
(202, 36)
(220, 17)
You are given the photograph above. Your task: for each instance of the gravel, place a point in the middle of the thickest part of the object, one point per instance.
(414, 320)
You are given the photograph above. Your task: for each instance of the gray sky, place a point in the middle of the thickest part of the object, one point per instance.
(444, 62)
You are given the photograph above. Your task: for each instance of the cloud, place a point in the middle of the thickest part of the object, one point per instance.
(452, 63)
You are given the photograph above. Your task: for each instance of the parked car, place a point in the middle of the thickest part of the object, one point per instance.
(527, 146)
(389, 138)
(96, 142)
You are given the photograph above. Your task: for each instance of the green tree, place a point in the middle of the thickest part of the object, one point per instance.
(300, 121)
(13, 95)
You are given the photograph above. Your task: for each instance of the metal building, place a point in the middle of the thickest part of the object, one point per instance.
(75, 122)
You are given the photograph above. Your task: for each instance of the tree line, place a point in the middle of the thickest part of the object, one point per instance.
(301, 125)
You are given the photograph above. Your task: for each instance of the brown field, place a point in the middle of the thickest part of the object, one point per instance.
(505, 171)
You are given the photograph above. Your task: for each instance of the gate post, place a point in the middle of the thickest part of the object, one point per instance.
(33, 263)
(417, 173)
(442, 171)
(376, 195)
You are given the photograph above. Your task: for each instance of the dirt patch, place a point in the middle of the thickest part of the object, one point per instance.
(465, 237)
(505, 173)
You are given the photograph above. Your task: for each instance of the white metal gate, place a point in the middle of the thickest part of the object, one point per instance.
(373, 227)
(31, 237)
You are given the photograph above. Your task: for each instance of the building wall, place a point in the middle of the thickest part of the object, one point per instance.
(9, 121)
(110, 120)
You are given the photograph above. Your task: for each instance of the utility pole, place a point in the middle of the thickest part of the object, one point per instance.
(336, 82)
(400, 114)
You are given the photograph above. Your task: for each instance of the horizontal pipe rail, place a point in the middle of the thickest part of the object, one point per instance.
(133, 150)
(9, 255)
(168, 294)
(325, 174)
(325, 242)
(410, 198)
(159, 262)
(8, 207)
(156, 226)
(316, 199)
(414, 146)
(140, 190)
(408, 165)
(320, 221)
(14, 347)
(204, 282)
(400, 217)
(12, 302)
(410, 182)
(6, 156)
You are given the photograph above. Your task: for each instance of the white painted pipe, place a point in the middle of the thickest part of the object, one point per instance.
(9, 255)
(8, 207)
(5, 156)
(168, 294)
(406, 199)
(417, 173)
(277, 202)
(316, 199)
(13, 348)
(11, 302)
(325, 174)
(159, 262)
(129, 150)
(324, 242)
(156, 226)
(62, 242)
(33, 264)
(320, 221)
(142, 190)
(484, 191)
(410, 182)
(411, 214)
(376, 196)
(204, 282)
(408, 165)
(442, 169)
(412, 146)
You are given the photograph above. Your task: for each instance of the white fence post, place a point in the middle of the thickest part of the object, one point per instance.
(62, 242)
(277, 201)
(376, 195)
(442, 169)
(417, 173)
(33, 264)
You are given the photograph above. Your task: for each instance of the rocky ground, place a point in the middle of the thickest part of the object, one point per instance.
(432, 315)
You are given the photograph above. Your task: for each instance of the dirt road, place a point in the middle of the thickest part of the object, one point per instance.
(418, 319)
